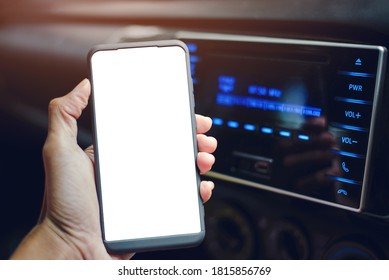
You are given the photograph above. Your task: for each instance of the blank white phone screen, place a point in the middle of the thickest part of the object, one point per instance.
(145, 142)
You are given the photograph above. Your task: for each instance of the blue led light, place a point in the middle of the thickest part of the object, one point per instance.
(343, 192)
(233, 124)
(303, 137)
(226, 83)
(192, 47)
(285, 133)
(267, 130)
(231, 100)
(193, 69)
(350, 127)
(356, 74)
(194, 58)
(347, 154)
(249, 127)
(275, 92)
(354, 101)
(344, 180)
(217, 121)
(264, 91)
(257, 90)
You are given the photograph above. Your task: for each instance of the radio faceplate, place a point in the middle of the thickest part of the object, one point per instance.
(291, 116)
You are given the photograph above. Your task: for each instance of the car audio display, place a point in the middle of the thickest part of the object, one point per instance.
(291, 116)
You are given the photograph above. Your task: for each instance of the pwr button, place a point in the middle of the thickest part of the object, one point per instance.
(353, 87)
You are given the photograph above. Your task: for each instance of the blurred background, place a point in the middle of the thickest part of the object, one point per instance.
(43, 48)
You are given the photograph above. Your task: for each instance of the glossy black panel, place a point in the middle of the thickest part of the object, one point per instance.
(290, 116)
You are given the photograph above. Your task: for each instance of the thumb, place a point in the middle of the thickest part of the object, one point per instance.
(64, 112)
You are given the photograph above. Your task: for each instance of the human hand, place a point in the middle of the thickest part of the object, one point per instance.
(69, 226)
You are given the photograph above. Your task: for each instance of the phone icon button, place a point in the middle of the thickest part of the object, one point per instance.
(343, 192)
(345, 168)
(350, 167)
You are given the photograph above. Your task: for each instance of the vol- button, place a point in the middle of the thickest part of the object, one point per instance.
(349, 140)
(356, 143)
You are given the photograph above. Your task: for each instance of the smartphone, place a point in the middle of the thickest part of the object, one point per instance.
(145, 146)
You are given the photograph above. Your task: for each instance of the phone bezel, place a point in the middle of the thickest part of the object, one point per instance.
(153, 243)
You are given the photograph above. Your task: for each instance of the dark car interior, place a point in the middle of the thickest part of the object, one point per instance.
(297, 91)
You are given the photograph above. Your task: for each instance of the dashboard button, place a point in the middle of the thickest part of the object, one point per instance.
(360, 61)
(345, 191)
(350, 168)
(233, 124)
(355, 88)
(347, 194)
(284, 133)
(350, 141)
(267, 130)
(358, 115)
(250, 127)
(217, 121)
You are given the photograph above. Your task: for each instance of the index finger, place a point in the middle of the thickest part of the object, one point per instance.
(203, 124)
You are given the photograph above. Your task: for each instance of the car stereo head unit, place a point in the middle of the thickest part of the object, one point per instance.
(293, 117)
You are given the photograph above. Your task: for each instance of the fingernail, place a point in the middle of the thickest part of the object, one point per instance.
(82, 84)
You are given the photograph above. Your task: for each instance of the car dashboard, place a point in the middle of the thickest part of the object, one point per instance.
(297, 91)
